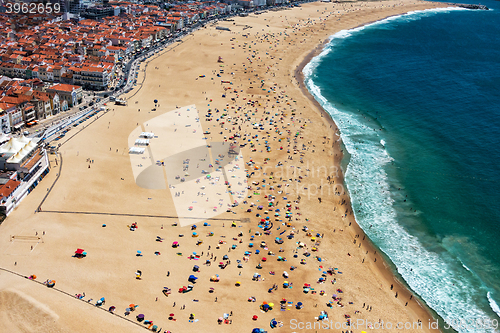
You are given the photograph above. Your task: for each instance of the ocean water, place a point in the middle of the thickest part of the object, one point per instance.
(417, 101)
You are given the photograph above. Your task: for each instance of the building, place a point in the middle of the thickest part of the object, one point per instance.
(24, 164)
(42, 104)
(98, 12)
(5, 125)
(96, 78)
(67, 92)
(74, 6)
(15, 116)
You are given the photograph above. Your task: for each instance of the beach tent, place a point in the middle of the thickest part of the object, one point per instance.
(147, 135)
(142, 142)
(135, 150)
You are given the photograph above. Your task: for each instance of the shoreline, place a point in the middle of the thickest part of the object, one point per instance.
(109, 185)
(388, 271)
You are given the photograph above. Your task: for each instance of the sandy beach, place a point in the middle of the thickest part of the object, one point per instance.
(243, 130)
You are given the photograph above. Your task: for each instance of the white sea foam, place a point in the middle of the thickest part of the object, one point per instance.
(494, 306)
(429, 274)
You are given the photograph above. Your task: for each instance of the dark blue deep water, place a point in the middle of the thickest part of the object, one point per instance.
(417, 102)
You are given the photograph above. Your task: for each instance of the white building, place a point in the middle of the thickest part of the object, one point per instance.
(24, 164)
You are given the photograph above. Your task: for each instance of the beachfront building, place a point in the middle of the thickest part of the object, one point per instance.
(246, 3)
(29, 113)
(276, 2)
(55, 103)
(42, 104)
(68, 93)
(15, 116)
(8, 189)
(92, 77)
(22, 103)
(5, 126)
(24, 164)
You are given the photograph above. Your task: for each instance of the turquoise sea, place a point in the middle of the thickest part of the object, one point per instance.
(417, 101)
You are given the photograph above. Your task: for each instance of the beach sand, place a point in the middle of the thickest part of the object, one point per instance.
(100, 183)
